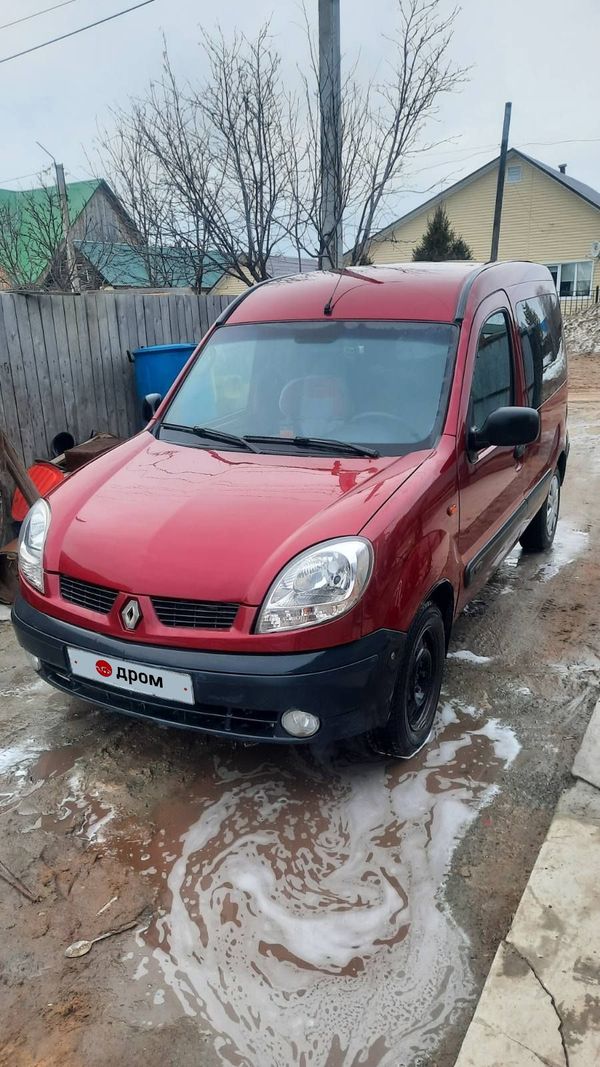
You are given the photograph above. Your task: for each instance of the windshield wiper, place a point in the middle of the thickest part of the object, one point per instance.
(319, 442)
(212, 435)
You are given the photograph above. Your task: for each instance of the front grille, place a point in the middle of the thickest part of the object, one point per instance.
(209, 718)
(86, 595)
(195, 614)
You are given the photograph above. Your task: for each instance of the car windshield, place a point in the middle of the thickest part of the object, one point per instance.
(378, 384)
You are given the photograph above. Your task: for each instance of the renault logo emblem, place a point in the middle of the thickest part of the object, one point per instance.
(131, 614)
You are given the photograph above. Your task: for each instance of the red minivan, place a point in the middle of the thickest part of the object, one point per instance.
(281, 553)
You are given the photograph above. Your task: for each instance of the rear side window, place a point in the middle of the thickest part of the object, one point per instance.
(542, 344)
(492, 386)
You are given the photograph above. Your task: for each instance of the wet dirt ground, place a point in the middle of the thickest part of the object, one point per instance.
(294, 907)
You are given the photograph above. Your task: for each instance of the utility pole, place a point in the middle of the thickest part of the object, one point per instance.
(66, 222)
(331, 133)
(500, 185)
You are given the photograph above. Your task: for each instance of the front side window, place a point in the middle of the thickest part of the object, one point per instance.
(572, 279)
(382, 384)
(492, 385)
(542, 344)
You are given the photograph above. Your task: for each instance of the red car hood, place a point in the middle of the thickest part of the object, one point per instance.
(160, 519)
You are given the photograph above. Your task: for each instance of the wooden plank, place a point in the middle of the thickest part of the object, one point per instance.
(117, 362)
(91, 400)
(195, 314)
(137, 338)
(177, 334)
(101, 310)
(64, 364)
(186, 317)
(165, 318)
(23, 403)
(83, 416)
(8, 401)
(51, 419)
(127, 342)
(138, 303)
(203, 311)
(51, 349)
(156, 319)
(88, 305)
(36, 412)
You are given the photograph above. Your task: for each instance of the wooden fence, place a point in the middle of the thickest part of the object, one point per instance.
(64, 364)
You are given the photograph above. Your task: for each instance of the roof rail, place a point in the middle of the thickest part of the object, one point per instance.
(463, 296)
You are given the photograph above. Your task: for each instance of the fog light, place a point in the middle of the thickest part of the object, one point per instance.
(33, 661)
(300, 723)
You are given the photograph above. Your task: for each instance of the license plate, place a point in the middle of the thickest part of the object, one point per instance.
(132, 677)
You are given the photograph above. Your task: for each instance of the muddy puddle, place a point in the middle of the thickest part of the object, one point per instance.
(300, 915)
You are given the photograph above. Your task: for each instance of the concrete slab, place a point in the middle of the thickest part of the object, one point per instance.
(4, 613)
(515, 1024)
(541, 1000)
(587, 761)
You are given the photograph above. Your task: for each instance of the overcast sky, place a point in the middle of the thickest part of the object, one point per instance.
(540, 54)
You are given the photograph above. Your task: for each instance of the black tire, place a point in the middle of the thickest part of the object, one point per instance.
(417, 691)
(539, 535)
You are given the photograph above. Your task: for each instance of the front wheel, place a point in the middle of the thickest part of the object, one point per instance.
(539, 535)
(417, 691)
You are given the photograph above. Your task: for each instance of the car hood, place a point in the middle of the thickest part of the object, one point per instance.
(156, 518)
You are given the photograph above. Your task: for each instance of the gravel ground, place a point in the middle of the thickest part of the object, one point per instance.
(282, 907)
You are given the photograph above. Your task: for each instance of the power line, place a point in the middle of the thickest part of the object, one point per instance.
(26, 18)
(21, 177)
(81, 29)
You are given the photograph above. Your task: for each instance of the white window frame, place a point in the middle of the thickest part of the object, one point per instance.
(568, 263)
(514, 173)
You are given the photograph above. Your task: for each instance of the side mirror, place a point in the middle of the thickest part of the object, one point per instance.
(506, 427)
(150, 405)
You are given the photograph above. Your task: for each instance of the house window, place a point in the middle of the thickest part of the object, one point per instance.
(573, 278)
(514, 174)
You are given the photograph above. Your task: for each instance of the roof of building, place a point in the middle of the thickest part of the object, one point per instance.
(281, 266)
(123, 265)
(42, 204)
(584, 191)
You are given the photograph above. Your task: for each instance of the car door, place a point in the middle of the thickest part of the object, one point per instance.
(490, 482)
(545, 373)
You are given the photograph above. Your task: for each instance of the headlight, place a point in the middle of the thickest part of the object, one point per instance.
(31, 544)
(318, 585)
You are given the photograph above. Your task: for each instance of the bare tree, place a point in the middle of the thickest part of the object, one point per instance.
(401, 108)
(31, 239)
(204, 169)
(148, 200)
(229, 170)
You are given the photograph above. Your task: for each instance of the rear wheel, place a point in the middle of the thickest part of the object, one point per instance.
(417, 691)
(539, 535)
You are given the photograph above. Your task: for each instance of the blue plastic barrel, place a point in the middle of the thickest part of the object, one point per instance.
(157, 366)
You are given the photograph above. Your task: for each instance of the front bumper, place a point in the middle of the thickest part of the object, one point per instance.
(236, 695)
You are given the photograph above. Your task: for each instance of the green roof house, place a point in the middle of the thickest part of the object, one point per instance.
(109, 249)
(31, 228)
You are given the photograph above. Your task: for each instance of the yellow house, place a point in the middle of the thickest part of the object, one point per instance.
(547, 217)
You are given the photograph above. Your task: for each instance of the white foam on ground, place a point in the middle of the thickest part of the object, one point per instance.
(469, 657)
(306, 895)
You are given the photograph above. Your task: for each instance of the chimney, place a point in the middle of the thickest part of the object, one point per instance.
(562, 168)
